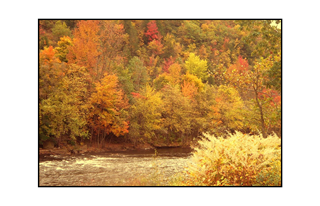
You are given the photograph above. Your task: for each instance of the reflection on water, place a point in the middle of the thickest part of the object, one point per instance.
(109, 168)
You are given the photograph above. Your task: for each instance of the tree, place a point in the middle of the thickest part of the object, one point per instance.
(112, 38)
(139, 73)
(65, 109)
(193, 80)
(257, 78)
(51, 71)
(265, 43)
(62, 48)
(173, 77)
(271, 101)
(177, 114)
(202, 103)
(236, 75)
(60, 29)
(145, 115)
(253, 80)
(171, 48)
(152, 33)
(228, 110)
(197, 67)
(264, 38)
(155, 47)
(154, 38)
(86, 46)
(124, 77)
(189, 89)
(274, 74)
(190, 32)
(131, 30)
(108, 109)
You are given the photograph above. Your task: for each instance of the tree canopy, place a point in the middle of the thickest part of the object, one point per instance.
(164, 81)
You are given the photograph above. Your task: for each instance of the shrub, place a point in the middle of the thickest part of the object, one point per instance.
(238, 160)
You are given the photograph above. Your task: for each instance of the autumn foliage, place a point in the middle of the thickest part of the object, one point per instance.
(152, 33)
(238, 160)
(107, 103)
(158, 81)
(85, 49)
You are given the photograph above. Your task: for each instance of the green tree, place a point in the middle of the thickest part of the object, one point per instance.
(60, 29)
(124, 77)
(139, 73)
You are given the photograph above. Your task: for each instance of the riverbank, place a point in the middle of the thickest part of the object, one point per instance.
(113, 147)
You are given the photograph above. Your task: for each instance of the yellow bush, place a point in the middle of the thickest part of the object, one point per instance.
(238, 160)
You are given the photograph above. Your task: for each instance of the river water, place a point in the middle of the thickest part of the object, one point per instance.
(111, 168)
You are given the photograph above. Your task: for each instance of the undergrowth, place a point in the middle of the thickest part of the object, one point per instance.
(237, 160)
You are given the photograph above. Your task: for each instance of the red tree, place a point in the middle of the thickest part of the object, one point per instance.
(152, 32)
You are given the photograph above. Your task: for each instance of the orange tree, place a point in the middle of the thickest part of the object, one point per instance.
(85, 48)
(108, 109)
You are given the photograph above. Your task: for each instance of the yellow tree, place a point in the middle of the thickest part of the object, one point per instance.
(173, 76)
(177, 114)
(228, 110)
(62, 48)
(197, 67)
(145, 115)
(51, 72)
(254, 80)
(63, 113)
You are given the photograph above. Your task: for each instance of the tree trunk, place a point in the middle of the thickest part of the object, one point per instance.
(103, 138)
(261, 115)
(98, 138)
(91, 137)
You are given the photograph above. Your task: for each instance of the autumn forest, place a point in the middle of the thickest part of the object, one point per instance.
(158, 81)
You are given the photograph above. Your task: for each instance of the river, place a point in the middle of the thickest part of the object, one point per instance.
(111, 168)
